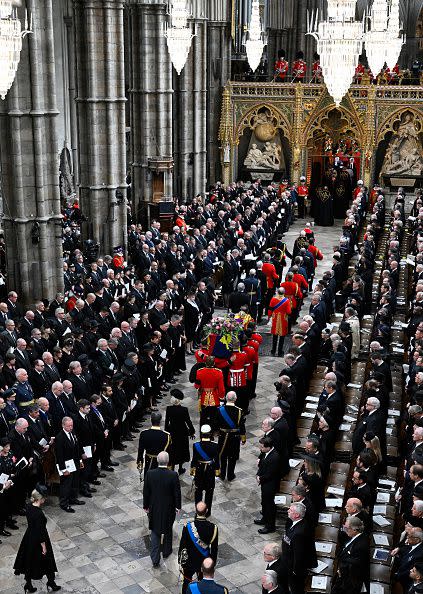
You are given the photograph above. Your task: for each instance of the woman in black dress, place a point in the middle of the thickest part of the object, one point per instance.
(192, 319)
(180, 427)
(35, 557)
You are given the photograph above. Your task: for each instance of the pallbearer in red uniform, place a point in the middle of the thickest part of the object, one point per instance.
(299, 68)
(253, 342)
(302, 191)
(237, 378)
(279, 310)
(211, 390)
(251, 353)
(317, 69)
(281, 67)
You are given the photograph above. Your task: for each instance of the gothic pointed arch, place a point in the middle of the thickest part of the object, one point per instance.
(274, 119)
(391, 123)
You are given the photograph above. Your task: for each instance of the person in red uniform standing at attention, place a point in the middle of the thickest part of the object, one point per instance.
(251, 353)
(272, 278)
(392, 76)
(237, 378)
(358, 189)
(211, 390)
(317, 69)
(279, 310)
(281, 67)
(299, 68)
(253, 342)
(302, 191)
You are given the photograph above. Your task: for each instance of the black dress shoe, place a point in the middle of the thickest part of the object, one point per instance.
(95, 482)
(77, 502)
(108, 468)
(86, 494)
(172, 381)
(68, 509)
(266, 530)
(5, 533)
(165, 387)
(110, 463)
(101, 474)
(260, 522)
(12, 525)
(232, 478)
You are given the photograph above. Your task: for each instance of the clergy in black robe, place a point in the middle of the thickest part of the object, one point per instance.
(323, 207)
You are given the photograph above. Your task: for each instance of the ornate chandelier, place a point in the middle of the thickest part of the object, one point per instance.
(11, 35)
(376, 39)
(254, 45)
(179, 35)
(339, 43)
(395, 41)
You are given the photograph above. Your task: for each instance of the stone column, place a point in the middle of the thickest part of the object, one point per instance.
(30, 165)
(190, 109)
(218, 74)
(150, 100)
(100, 86)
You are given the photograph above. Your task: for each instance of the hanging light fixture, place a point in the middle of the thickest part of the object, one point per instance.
(376, 38)
(395, 41)
(11, 35)
(178, 35)
(254, 45)
(339, 43)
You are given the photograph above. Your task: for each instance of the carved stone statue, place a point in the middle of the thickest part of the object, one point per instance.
(267, 158)
(404, 154)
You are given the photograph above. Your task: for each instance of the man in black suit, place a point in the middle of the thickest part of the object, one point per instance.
(268, 475)
(353, 560)
(21, 446)
(407, 555)
(362, 490)
(269, 582)
(416, 574)
(57, 409)
(85, 435)
(199, 539)
(272, 556)
(299, 494)
(298, 548)
(239, 299)
(373, 420)
(81, 387)
(38, 379)
(162, 500)
(9, 335)
(157, 316)
(318, 311)
(69, 462)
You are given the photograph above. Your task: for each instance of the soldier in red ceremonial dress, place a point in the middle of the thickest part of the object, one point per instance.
(281, 67)
(279, 310)
(299, 68)
(211, 390)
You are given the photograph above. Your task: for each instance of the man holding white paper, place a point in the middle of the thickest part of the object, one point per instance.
(69, 462)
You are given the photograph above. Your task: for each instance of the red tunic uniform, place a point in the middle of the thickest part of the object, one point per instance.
(302, 190)
(210, 386)
(281, 70)
(237, 377)
(299, 69)
(269, 271)
(317, 254)
(249, 367)
(279, 310)
(292, 291)
(392, 75)
(258, 337)
(301, 281)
